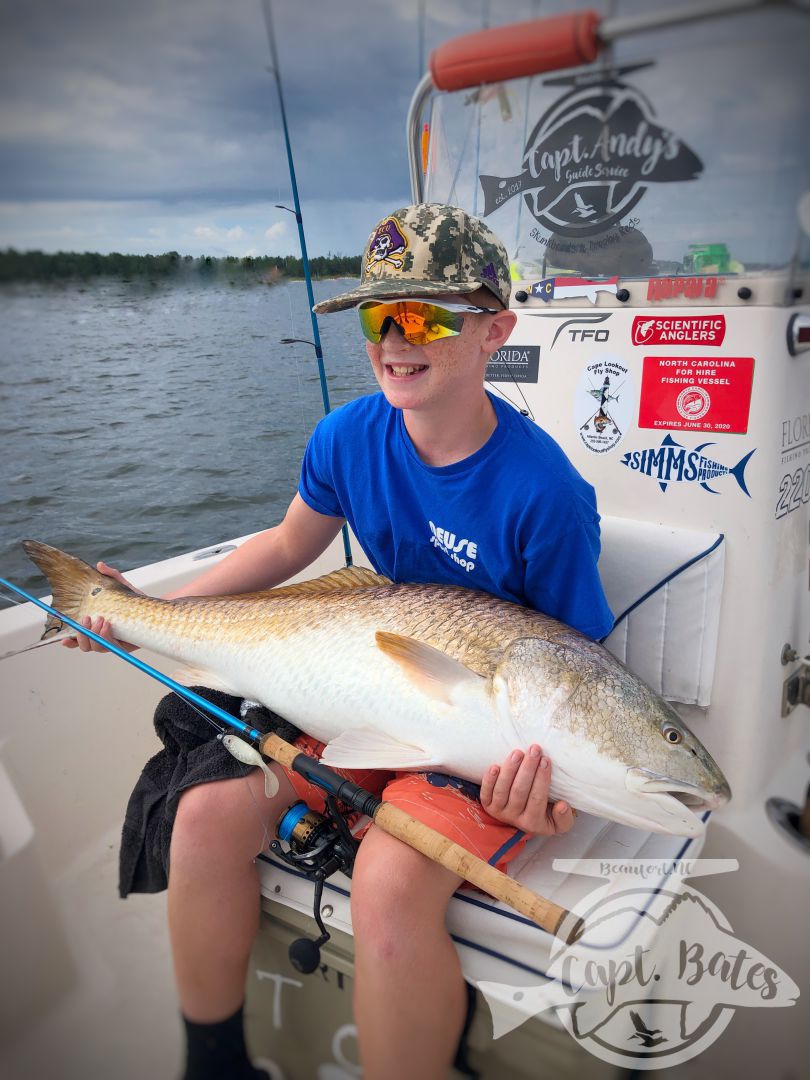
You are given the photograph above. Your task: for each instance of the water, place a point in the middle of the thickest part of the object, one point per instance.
(142, 421)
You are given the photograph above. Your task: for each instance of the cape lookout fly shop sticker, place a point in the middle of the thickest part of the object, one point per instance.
(696, 393)
(592, 155)
(604, 404)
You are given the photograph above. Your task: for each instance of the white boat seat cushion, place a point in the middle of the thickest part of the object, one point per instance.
(664, 587)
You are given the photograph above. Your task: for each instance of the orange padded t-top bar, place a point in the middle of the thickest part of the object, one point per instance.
(511, 52)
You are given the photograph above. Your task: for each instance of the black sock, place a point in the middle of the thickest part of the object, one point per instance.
(216, 1051)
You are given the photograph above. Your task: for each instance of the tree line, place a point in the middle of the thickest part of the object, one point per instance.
(84, 266)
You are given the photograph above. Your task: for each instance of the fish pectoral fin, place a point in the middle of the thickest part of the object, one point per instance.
(370, 748)
(432, 670)
(189, 675)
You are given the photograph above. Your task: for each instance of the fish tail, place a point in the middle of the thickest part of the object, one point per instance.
(70, 579)
(738, 472)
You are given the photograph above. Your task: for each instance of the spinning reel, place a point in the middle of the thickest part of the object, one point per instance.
(317, 846)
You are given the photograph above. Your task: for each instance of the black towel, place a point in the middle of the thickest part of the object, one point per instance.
(192, 755)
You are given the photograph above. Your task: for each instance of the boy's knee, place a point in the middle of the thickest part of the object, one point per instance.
(395, 890)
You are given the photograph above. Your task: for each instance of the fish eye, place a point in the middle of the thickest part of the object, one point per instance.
(672, 734)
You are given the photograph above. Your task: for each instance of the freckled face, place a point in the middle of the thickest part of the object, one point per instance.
(413, 376)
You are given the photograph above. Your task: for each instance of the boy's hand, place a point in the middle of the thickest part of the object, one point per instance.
(100, 625)
(517, 794)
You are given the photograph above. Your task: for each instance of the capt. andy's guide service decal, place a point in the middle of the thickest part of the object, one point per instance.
(603, 411)
(673, 463)
(696, 393)
(592, 155)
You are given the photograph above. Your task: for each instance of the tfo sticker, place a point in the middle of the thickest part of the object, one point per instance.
(603, 411)
(696, 393)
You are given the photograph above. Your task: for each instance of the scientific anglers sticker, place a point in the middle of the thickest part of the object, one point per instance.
(690, 330)
(604, 404)
(696, 393)
(657, 973)
(672, 463)
(591, 157)
(514, 363)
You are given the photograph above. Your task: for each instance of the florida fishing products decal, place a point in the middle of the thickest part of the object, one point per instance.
(386, 246)
(592, 155)
(514, 363)
(604, 404)
(463, 552)
(690, 288)
(794, 486)
(696, 393)
(571, 288)
(687, 330)
(672, 463)
(657, 972)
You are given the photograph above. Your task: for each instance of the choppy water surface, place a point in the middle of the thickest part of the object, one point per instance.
(139, 422)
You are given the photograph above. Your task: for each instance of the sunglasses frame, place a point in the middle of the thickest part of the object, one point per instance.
(462, 309)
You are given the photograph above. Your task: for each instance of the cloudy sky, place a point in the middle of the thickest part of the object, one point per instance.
(154, 125)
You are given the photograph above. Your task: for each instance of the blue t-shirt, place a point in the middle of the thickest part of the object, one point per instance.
(514, 519)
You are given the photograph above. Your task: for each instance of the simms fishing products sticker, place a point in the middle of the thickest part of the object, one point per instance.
(591, 157)
(514, 363)
(673, 463)
(687, 330)
(604, 404)
(696, 393)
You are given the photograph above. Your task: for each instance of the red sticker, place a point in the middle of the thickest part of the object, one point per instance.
(686, 330)
(691, 288)
(696, 393)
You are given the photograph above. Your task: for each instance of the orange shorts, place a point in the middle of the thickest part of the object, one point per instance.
(446, 804)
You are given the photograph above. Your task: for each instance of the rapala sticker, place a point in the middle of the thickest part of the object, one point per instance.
(696, 393)
(604, 404)
(592, 156)
(673, 463)
(580, 328)
(688, 330)
(514, 363)
(690, 288)
(569, 288)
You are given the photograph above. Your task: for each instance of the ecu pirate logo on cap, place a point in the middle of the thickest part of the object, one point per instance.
(387, 242)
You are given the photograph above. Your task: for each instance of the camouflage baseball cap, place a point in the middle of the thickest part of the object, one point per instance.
(428, 250)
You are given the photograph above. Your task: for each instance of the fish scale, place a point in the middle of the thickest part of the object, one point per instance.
(399, 676)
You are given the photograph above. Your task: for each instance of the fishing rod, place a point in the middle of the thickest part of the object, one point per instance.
(316, 336)
(544, 913)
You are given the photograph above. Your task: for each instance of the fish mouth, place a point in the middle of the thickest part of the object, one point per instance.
(692, 797)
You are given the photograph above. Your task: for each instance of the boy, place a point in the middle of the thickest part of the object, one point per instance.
(441, 482)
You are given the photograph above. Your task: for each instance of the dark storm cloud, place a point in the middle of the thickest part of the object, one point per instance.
(169, 102)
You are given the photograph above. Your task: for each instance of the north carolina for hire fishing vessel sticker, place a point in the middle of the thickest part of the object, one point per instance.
(604, 404)
(592, 156)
